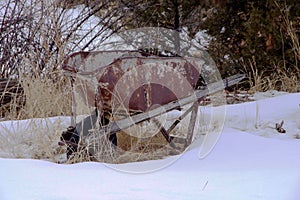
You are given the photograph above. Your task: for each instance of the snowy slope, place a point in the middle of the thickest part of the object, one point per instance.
(243, 165)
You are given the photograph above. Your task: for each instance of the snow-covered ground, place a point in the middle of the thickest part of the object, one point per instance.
(251, 160)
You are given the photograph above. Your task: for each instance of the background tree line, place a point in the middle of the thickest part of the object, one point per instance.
(260, 38)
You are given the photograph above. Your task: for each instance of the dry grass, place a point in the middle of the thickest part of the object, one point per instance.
(280, 79)
(43, 97)
(11, 98)
(46, 97)
(35, 138)
(135, 150)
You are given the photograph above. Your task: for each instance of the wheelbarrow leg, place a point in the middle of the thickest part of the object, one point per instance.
(192, 123)
(163, 131)
(166, 133)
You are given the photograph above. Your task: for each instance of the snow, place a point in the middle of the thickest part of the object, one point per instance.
(251, 160)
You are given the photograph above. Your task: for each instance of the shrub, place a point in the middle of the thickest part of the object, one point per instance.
(260, 32)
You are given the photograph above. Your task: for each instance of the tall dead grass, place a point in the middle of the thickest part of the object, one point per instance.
(32, 129)
(43, 97)
(46, 97)
(279, 79)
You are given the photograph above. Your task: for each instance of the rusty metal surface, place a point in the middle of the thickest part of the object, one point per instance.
(131, 79)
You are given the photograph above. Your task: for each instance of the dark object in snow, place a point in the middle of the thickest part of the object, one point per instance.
(71, 136)
(279, 127)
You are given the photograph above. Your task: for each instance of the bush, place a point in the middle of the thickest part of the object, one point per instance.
(259, 34)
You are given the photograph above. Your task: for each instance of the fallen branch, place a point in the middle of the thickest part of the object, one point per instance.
(279, 127)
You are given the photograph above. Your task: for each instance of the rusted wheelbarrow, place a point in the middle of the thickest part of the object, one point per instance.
(121, 89)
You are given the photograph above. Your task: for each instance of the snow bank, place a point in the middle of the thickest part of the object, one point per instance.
(241, 166)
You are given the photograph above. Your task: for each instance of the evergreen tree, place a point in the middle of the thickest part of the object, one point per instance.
(256, 32)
